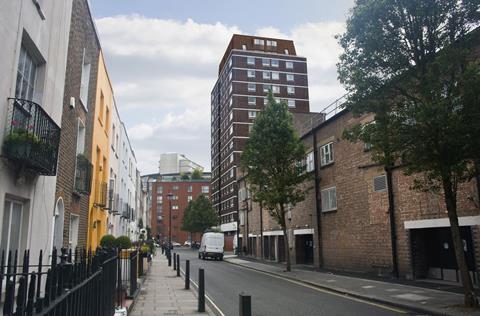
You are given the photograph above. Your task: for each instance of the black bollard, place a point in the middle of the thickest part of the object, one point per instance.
(201, 291)
(187, 274)
(169, 257)
(245, 305)
(178, 265)
(174, 261)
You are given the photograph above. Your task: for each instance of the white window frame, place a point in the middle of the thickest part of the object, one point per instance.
(275, 75)
(291, 103)
(275, 89)
(274, 63)
(266, 75)
(252, 114)
(252, 101)
(267, 87)
(289, 64)
(266, 62)
(250, 73)
(290, 77)
(84, 81)
(326, 154)
(330, 204)
(250, 60)
(205, 189)
(310, 165)
(17, 230)
(290, 90)
(251, 87)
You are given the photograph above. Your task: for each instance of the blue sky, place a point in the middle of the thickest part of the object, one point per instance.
(162, 57)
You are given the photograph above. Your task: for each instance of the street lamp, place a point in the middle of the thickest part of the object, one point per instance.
(170, 197)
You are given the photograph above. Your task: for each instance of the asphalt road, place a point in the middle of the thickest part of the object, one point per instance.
(271, 295)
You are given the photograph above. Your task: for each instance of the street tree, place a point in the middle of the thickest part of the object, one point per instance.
(411, 64)
(272, 164)
(199, 215)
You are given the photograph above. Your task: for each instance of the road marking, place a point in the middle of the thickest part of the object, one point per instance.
(206, 296)
(394, 309)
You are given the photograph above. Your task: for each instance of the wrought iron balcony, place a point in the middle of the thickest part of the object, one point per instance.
(32, 138)
(83, 175)
(101, 194)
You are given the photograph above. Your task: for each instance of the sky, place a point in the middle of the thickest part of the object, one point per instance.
(162, 57)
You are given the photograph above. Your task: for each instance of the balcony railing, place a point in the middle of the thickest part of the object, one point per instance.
(101, 194)
(32, 137)
(83, 175)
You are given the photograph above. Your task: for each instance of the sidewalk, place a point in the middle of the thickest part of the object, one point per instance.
(163, 293)
(419, 299)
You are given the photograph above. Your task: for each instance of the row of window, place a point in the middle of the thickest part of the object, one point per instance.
(273, 75)
(262, 42)
(269, 62)
(205, 189)
(252, 87)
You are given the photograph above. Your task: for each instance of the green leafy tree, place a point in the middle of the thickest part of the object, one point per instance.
(197, 174)
(184, 176)
(199, 215)
(271, 164)
(410, 63)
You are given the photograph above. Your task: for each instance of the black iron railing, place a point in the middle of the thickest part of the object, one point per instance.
(128, 264)
(83, 175)
(101, 191)
(83, 284)
(32, 138)
(126, 210)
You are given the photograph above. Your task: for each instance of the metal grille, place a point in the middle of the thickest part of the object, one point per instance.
(380, 183)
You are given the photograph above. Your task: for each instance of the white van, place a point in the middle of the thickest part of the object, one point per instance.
(211, 246)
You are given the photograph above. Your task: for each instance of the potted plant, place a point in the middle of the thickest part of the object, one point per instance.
(20, 143)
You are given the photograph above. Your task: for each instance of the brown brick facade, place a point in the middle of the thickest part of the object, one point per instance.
(83, 42)
(356, 235)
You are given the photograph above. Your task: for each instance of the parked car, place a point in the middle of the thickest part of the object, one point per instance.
(211, 246)
(176, 244)
(187, 243)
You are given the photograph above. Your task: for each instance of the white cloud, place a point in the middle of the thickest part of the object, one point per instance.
(164, 70)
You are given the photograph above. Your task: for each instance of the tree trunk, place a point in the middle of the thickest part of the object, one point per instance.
(470, 299)
(285, 238)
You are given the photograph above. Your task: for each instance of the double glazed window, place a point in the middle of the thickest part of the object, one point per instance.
(326, 154)
(84, 80)
(12, 232)
(329, 199)
(26, 76)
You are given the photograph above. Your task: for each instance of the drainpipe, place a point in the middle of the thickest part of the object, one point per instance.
(477, 178)
(318, 201)
(261, 230)
(391, 212)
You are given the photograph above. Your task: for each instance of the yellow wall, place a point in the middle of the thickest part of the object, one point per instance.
(97, 218)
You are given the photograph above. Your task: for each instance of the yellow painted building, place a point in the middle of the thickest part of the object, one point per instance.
(97, 217)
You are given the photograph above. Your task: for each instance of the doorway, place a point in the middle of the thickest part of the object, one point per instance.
(304, 249)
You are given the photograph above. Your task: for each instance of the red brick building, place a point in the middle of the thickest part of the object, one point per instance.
(345, 223)
(182, 191)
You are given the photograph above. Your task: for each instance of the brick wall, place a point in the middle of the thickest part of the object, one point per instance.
(82, 37)
(356, 235)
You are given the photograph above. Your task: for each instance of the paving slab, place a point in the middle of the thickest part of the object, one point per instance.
(163, 293)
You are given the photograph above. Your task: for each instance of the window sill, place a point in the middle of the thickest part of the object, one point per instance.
(329, 211)
(327, 165)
